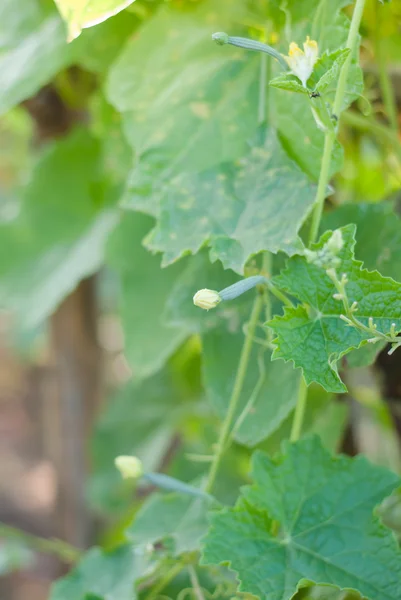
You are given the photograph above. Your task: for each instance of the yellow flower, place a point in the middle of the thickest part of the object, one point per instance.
(301, 62)
(206, 299)
(130, 467)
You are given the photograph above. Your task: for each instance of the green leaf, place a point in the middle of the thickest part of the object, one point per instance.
(271, 387)
(59, 236)
(149, 341)
(98, 47)
(327, 69)
(183, 96)
(299, 135)
(312, 334)
(158, 412)
(105, 575)
(79, 14)
(287, 81)
(176, 519)
(309, 516)
(35, 51)
(258, 205)
(14, 23)
(378, 246)
(33, 48)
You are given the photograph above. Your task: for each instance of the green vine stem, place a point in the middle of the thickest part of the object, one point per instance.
(59, 548)
(337, 109)
(296, 428)
(324, 178)
(237, 389)
(195, 583)
(322, 185)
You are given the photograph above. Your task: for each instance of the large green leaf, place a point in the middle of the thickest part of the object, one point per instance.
(79, 14)
(149, 341)
(59, 235)
(105, 575)
(309, 516)
(312, 335)
(258, 205)
(33, 48)
(176, 519)
(14, 24)
(35, 51)
(271, 387)
(192, 101)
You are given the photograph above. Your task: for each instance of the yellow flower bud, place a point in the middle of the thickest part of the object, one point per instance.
(206, 299)
(130, 467)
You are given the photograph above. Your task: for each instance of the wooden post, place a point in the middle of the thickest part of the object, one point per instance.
(77, 360)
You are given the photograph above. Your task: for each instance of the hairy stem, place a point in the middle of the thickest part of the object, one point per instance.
(236, 393)
(299, 413)
(195, 583)
(351, 44)
(337, 109)
(322, 185)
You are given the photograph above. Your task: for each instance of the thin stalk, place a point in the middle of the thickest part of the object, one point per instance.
(165, 580)
(262, 89)
(252, 398)
(236, 393)
(267, 268)
(279, 294)
(322, 185)
(351, 44)
(299, 413)
(387, 93)
(64, 551)
(385, 81)
(330, 134)
(195, 583)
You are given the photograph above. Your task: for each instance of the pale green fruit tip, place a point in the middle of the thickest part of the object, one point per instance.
(220, 38)
(130, 467)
